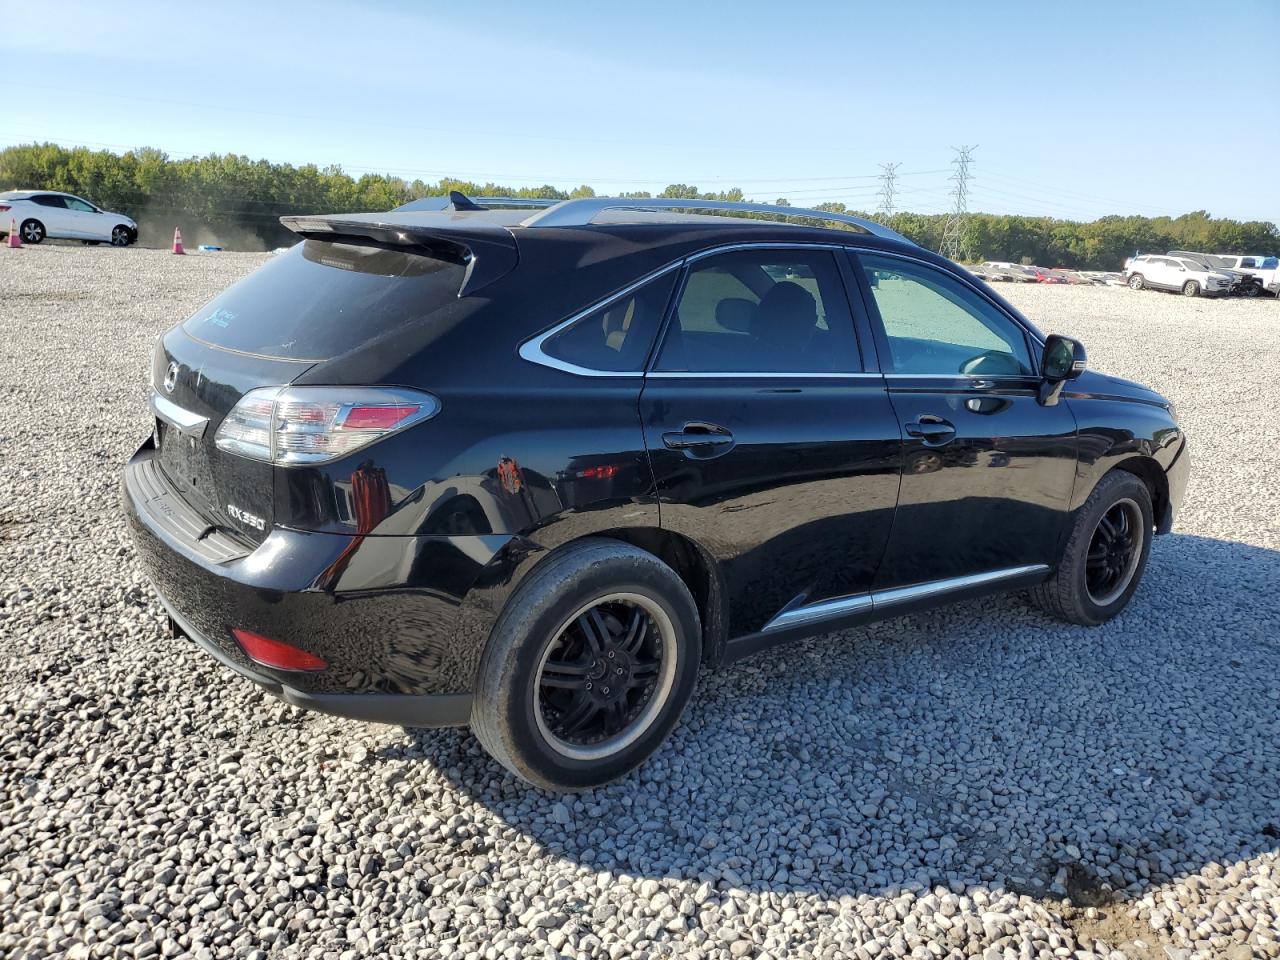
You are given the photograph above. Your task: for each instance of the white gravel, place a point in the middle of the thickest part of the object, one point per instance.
(975, 782)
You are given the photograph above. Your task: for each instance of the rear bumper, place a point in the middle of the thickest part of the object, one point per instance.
(386, 613)
(432, 710)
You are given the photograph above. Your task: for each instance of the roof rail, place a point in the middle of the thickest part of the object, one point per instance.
(580, 212)
(447, 201)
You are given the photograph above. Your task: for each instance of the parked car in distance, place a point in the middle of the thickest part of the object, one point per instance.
(1258, 273)
(1180, 274)
(48, 213)
(535, 470)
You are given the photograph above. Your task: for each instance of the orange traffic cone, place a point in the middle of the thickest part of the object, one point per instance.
(177, 241)
(15, 238)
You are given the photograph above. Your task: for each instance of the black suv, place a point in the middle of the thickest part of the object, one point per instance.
(531, 471)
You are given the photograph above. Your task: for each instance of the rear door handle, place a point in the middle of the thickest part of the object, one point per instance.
(697, 433)
(932, 430)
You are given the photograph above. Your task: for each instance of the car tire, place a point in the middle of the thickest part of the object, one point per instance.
(1137, 282)
(1251, 290)
(1191, 289)
(32, 231)
(595, 609)
(120, 236)
(1102, 565)
(90, 243)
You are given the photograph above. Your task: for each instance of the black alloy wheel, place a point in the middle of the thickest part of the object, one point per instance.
(1114, 552)
(604, 675)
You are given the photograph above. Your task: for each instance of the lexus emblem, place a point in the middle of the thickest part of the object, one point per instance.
(170, 377)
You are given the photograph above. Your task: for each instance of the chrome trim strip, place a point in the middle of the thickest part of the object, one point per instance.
(841, 606)
(580, 212)
(824, 610)
(755, 375)
(187, 423)
(963, 376)
(762, 244)
(886, 598)
(531, 350)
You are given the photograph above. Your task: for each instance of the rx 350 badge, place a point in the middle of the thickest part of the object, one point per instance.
(248, 519)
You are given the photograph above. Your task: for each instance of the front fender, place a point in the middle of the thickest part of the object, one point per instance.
(1124, 425)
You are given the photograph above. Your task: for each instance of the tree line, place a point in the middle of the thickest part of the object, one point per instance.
(237, 201)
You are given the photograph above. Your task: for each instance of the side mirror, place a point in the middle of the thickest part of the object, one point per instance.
(1063, 359)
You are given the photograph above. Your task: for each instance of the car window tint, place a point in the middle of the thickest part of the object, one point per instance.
(48, 200)
(76, 204)
(762, 311)
(937, 325)
(619, 335)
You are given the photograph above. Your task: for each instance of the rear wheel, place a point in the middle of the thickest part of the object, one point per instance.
(32, 231)
(120, 236)
(1191, 289)
(1137, 282)
(1106, 555)
(588, 668)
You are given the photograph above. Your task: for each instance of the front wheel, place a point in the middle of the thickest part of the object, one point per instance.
(32, 231)
(1136, 282)
(1105, 556)
(589, 666)
(1251, 290)
(1191, 289)
(120, 237)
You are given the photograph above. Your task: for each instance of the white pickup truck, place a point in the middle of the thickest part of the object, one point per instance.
(1265, 269)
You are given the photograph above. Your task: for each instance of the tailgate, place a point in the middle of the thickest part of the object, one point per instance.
(203, 382)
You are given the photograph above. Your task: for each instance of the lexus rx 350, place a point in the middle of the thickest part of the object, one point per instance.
(533, 470)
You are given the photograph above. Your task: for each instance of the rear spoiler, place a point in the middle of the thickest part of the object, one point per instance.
(488, 250)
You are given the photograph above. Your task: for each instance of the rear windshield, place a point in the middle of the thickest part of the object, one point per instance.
(320, 300)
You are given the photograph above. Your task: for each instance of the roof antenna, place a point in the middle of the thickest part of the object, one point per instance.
(460, 201)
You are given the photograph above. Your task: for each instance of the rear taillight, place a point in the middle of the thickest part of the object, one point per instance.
(300, 425)
(276, 653)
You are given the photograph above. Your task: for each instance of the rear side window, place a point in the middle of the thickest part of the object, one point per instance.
(762, 311)
(617, 336)
(321, 299)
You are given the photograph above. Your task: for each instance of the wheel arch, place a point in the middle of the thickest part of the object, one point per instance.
(512, 565)
(1152, 474)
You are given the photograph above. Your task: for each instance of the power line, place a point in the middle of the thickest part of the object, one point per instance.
(955, 234)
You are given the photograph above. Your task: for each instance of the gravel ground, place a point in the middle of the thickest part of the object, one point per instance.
(974, 782)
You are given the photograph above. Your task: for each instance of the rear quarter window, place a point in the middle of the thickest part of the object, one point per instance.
(321, 300)
(617, 336)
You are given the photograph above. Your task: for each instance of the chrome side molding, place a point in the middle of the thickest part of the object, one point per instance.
(881, 599)
(184, 421)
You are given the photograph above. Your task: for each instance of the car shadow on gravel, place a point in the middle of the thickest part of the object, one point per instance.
(981, 744)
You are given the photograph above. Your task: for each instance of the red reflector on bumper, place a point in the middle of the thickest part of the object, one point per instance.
(275, 653)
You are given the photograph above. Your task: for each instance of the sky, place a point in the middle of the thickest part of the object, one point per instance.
(1076, 111)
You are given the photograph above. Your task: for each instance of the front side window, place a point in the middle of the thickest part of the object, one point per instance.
(762, 311)
(935, 325)
(617, 336)
(74, 203)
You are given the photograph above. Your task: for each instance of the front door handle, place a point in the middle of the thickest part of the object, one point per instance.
(697, 433)
(934, 431)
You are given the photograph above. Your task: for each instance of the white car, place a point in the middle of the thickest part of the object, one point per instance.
(48, 213)
(1188, 277)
